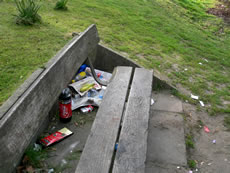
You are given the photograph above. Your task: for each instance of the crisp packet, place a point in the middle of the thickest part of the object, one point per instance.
(55, 137)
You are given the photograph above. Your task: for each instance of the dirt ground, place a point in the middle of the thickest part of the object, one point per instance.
(222, 9)
(212, 150)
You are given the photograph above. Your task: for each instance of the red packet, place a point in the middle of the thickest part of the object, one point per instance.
(55, 137)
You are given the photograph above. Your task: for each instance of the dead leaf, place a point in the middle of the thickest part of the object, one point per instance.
(30, 169)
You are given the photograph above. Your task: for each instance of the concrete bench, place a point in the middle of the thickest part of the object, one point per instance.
(122, 118)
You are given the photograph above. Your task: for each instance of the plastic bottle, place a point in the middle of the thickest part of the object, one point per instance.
(82, 68)
(65, 111)
(80, 76)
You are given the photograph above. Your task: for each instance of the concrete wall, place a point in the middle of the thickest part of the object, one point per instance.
(107, 60)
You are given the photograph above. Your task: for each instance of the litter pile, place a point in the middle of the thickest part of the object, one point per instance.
(85, 90)
(83, 93)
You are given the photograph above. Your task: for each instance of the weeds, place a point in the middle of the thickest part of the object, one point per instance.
(189, 141)
(227, 123)
(35, 158)
(61, 5)
(28, 12)
(199, 125)
(192, 164)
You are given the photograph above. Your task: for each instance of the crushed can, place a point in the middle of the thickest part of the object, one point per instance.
(87, 109)
(65, 111)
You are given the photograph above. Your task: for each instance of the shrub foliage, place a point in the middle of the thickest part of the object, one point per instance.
(61, 5)
(28, 12)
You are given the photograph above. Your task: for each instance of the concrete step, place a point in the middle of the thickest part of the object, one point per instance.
(166, 141)
(165, 101)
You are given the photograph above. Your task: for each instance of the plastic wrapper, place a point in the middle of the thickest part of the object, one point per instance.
(93, 97)
(77, 86)
(102, 75)
(55, 137)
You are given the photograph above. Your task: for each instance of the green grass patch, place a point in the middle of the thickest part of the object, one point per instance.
(61, 5)
(189, 141)
(36, 158)
(171, 35)
(192, 164)
(28, 12)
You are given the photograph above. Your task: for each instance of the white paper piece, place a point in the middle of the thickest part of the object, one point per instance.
(185, 69)
(152, 101)
(201, 103)
(102, 75)
(87, 99)
(194, 97)
(104, 87)
(200, 63)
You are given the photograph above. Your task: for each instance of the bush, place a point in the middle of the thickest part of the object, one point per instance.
(28, 12)
(61, 5)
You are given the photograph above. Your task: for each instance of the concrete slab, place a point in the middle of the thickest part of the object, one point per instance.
(64, 156)
(165, 101)
(163, 168)
(166, 143)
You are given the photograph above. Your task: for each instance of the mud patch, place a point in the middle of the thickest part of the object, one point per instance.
(222, 9)
(211, 150)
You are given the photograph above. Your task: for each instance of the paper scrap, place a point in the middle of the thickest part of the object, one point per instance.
(201, 103)
(104, 87)
(194, 97)
(200, 63)
(206, 129)
(152, 101)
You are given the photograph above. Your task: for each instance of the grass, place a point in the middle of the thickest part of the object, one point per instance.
(189, 141)
(61, 5)
(28, 12)
(166, 35)
(192, 164)
(36, 158)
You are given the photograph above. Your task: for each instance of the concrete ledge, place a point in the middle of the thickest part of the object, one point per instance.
(107, 59)
(26, 115)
